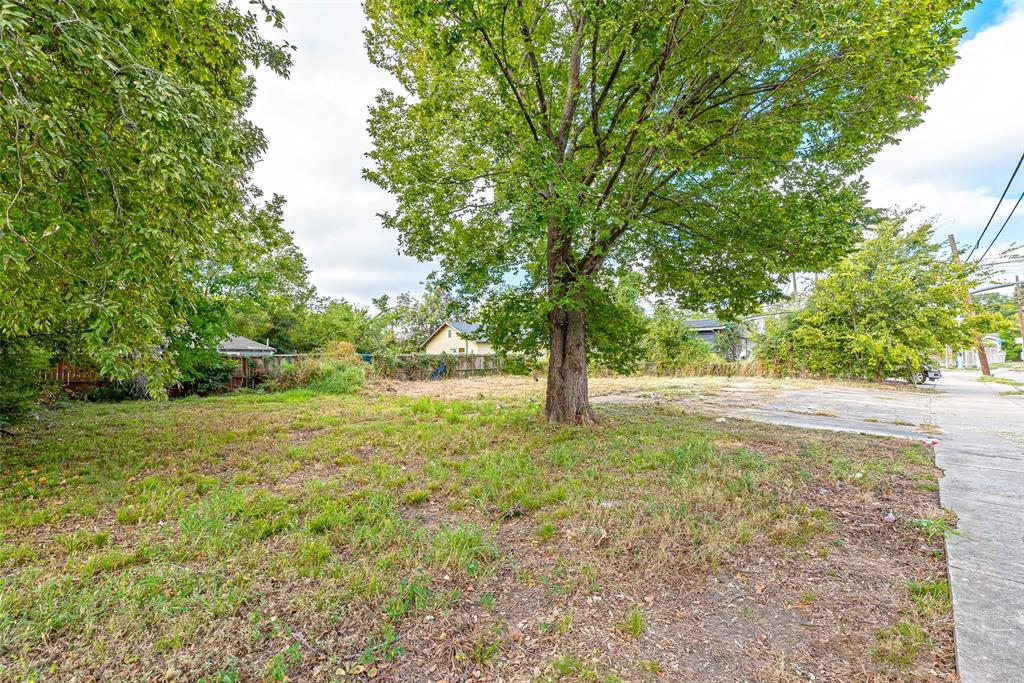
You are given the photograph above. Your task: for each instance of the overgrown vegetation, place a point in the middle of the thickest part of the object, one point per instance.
(231, 536)
(885, 311)
(319, 376)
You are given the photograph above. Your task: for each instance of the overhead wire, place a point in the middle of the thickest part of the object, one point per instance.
(1003, 225)
(998, 204)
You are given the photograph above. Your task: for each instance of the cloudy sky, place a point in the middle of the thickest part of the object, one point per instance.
(954, 166)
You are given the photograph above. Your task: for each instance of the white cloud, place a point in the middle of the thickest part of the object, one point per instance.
(315, 122)
(956, 163)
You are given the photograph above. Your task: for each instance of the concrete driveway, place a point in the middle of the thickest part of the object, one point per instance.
(980, 429)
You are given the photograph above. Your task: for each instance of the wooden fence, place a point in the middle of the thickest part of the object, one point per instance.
(69, 375)
(422, 366)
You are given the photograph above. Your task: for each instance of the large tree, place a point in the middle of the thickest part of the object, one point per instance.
(885, 311)
(708, 145)
(124, 169)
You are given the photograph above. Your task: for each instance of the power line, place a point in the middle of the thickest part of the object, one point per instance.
(998, 204)
(1004, 224)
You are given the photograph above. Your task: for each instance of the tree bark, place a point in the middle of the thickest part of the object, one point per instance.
(567, 396)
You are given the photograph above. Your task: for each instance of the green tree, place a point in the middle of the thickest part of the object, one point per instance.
(730, 342)
(1008, 327)
(125, 167)
(670, 343)
(330, 320)
(708, 146)
(252, 281)
(885, 311)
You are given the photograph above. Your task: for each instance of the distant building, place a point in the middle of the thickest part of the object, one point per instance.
(707, 329)
(453, 336)
(240, 347)
(968, 358)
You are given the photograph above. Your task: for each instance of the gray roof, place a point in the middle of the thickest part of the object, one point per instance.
(463, 328)
(706, 324)
(243, 346)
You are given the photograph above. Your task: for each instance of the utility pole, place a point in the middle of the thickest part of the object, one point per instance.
(982, 356)
(1020, 309)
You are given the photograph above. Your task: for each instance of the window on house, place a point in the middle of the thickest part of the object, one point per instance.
(462, 350)
(449, 334)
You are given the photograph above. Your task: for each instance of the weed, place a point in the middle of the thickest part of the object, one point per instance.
(382, 646)
(560, 624)
(570, 667)
(413, 594)
(931, 596)
(463, 547)
(545, 531)
(486, 647)
(935, 527)
(633, 623)
(651, 666)
(17, 553)
(415, 497)
(277, 667)
(901, 644)
(1001, 380)
(81, 539)
(228, 675)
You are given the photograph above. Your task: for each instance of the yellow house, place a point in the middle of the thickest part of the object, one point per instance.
(453, 336)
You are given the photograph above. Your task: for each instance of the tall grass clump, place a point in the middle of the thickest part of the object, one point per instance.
(320, 376)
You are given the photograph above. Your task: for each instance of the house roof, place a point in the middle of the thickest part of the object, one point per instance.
(246, 347)
(705, 324)
(465, 329)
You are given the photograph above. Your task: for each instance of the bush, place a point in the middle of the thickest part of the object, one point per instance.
(411, 366)
(325, 376)
(518, 364)
(21, 366)
(344, 351)
(120, 390)
(338, 378)
(884, 311)
(209, 374)
(670, 344)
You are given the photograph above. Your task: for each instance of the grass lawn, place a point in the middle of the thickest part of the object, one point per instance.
(389, 537)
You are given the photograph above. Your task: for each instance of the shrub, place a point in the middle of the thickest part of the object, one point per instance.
(21, 367)
(670, 344)
(209, 373)
(884, 311)
(344, 351)
(325, 376)
(518, 364)
(337, 378)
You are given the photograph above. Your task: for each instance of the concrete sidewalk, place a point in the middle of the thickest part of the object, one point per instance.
(982, 454)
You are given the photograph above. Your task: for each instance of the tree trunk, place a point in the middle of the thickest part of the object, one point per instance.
(567, 399)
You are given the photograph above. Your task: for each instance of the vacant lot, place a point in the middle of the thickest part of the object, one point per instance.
(398, 537)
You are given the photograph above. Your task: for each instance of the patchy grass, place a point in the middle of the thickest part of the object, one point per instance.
(632, 625)
(1001, 380)
(295, 536)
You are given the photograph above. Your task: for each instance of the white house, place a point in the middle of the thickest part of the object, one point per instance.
(968, 358)
(456, 337)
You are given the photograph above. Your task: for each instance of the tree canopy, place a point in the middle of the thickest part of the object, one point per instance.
(885, 311)
(711, 147)
(124, 177)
